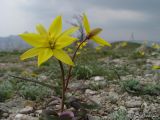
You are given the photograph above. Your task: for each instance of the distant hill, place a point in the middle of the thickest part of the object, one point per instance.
(149, 42)
(12, 43)
(131, 46)
(136, 43)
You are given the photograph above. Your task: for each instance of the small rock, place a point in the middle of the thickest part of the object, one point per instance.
(26, 110)
(96, 99)
(38, 112)
(130, 114)
(42, 78)
(133, 104)
(98, 78)
(77, 85)
(123, 108)
(75, 103)
(5, 115)
(145, 108)
(55, 102)
(90, 117)
(3, 108)
(148, 75)
(113, 97)
(133, 113)
(24, 117)
(91, 92)
(109, 108)
(68, 95)
(99, 84)
(58, 107)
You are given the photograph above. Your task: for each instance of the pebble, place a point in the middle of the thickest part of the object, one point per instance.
(96, 98)
(5, 115)
(26, 110)
(24, 117)
(91, 92)
(90, 117)
(113, 97)
(55, 102)
(98, 78)
(38, 112)
(133, 104)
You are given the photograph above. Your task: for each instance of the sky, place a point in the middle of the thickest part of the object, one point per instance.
(119, 19)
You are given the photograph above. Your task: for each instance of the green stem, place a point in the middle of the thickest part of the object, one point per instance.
(63, 85)
(70, 67)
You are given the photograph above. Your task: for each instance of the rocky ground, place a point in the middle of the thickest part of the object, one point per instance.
(115, 85)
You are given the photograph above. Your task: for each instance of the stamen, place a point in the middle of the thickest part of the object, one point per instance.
(52, 44)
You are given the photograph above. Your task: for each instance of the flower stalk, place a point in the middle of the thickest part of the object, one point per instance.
(65, 82)
(63, 85)
(71, 67)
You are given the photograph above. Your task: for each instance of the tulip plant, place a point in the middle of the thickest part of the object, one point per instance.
(51, 43)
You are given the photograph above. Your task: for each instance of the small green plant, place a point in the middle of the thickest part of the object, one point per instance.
(136, 55)
(120, 115)
(152, 89)
(135, 87)
(98, 69)
(34, 92)
(6, 91)
(131, 85)
(82, 72)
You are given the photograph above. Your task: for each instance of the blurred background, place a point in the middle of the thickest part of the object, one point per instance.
(127, 20)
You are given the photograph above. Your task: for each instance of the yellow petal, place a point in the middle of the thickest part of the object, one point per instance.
(41, 30)
(34, 40)
(56, 27)
(30, 53)
(62, 56)
(64, 41)
(44, 55)
(86, 23)
(100, 41)
(70, 31)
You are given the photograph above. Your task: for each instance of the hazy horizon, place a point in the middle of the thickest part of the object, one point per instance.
(118, 18)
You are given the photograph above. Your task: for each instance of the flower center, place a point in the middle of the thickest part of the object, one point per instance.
(52, 44)
(52, 41)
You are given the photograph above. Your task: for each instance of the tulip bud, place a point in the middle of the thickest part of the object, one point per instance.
(94, 32)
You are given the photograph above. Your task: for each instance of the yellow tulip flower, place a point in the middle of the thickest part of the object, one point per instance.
(94, 33)
(155, 67)
(49, 43)
(142, 53)
(155, 46)
(124, 44)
